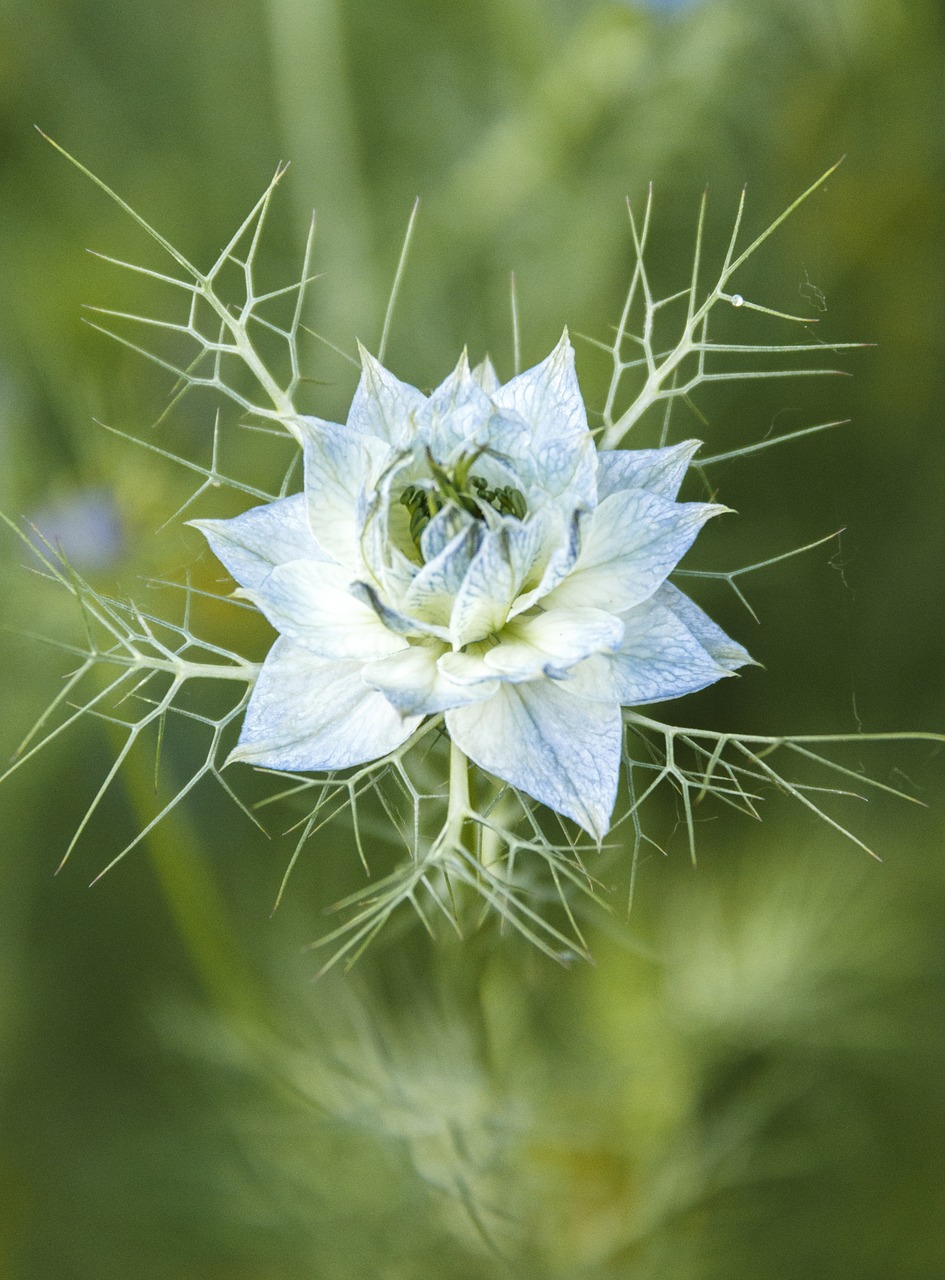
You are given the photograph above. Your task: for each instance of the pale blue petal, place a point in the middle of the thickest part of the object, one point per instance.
(394, 619)
(413, 682)
(548, 397)
(563, 537)
(485, 374)
(342, 469)
(659, 470)
(383, 406)
(661, 657)
(562, 750)
(552, 643)
(310, 601)
(493, 580)
(311, 713)
(250, 545)
(633, 540)
(431, 594)
(726, 651)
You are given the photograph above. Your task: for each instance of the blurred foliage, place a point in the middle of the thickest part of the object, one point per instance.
(748, 1081)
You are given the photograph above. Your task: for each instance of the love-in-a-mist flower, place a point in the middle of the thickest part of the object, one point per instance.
(472, 553)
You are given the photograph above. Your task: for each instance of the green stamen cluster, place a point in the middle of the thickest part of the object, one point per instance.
(470, 493)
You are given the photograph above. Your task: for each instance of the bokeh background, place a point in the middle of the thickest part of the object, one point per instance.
(749, 1079)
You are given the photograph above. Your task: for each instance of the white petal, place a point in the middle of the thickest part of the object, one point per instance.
(311, 602)
(383, 406)
(486, 376)
(548, 396)
(564, 539)
(552, 643)
(661, 657)
(726, 651)
(413, 683)
(634, 539)
(659, 470)
(251, 545)
(315, 713)
(561, 750)
(493, 580)
(431, 594)
(342, 468)
(394, 619)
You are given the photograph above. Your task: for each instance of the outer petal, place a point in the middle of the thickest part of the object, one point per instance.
(413, 683)
(310, 601)
(562, 750)
(251, 545)
(548, 396)
(315, 713)
(659, 470)
(635, 538)
(552, 643)
(341, 469)
(383, 405)
(726, 651)
(662, 658)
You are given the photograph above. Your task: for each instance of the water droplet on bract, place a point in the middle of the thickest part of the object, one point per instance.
(737, 300)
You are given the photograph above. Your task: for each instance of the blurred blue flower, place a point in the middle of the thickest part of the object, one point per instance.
(84, 525)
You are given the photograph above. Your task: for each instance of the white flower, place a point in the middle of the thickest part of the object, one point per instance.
(472, 553)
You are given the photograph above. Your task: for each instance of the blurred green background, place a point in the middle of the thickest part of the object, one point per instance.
(749, 1080)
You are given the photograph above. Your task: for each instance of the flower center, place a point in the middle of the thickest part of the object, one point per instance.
(457, 485)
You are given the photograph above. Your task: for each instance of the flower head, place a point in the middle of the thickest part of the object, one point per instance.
(472, 553)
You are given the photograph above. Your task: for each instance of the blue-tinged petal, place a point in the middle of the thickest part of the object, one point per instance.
(552, 643)
(456, 415)
(310, 601)
(383, 406)
(250, 545)
(342, 467)
(661, 657)
(394, 619)
(315, 713)
(413, 682)
(633, 540)
(562, 750)
(493, 580)
(548, 396)
(431, 594)
(726, 651)
(485, 374)
(562, 543)
(659, 470)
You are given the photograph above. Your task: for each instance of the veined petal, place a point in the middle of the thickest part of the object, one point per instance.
(661, 657)
(548, 396)
(311, 601)
(315, 713)
(552, 643)
(383, 406)
(394, 619)
(493, 580)
(341, 469)
(412, 682)
(432, 592)
(562, 750)
(659, 470)
(485, 374)
(634, 539)
(726, 651)
(564, 538)
(250, 545)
